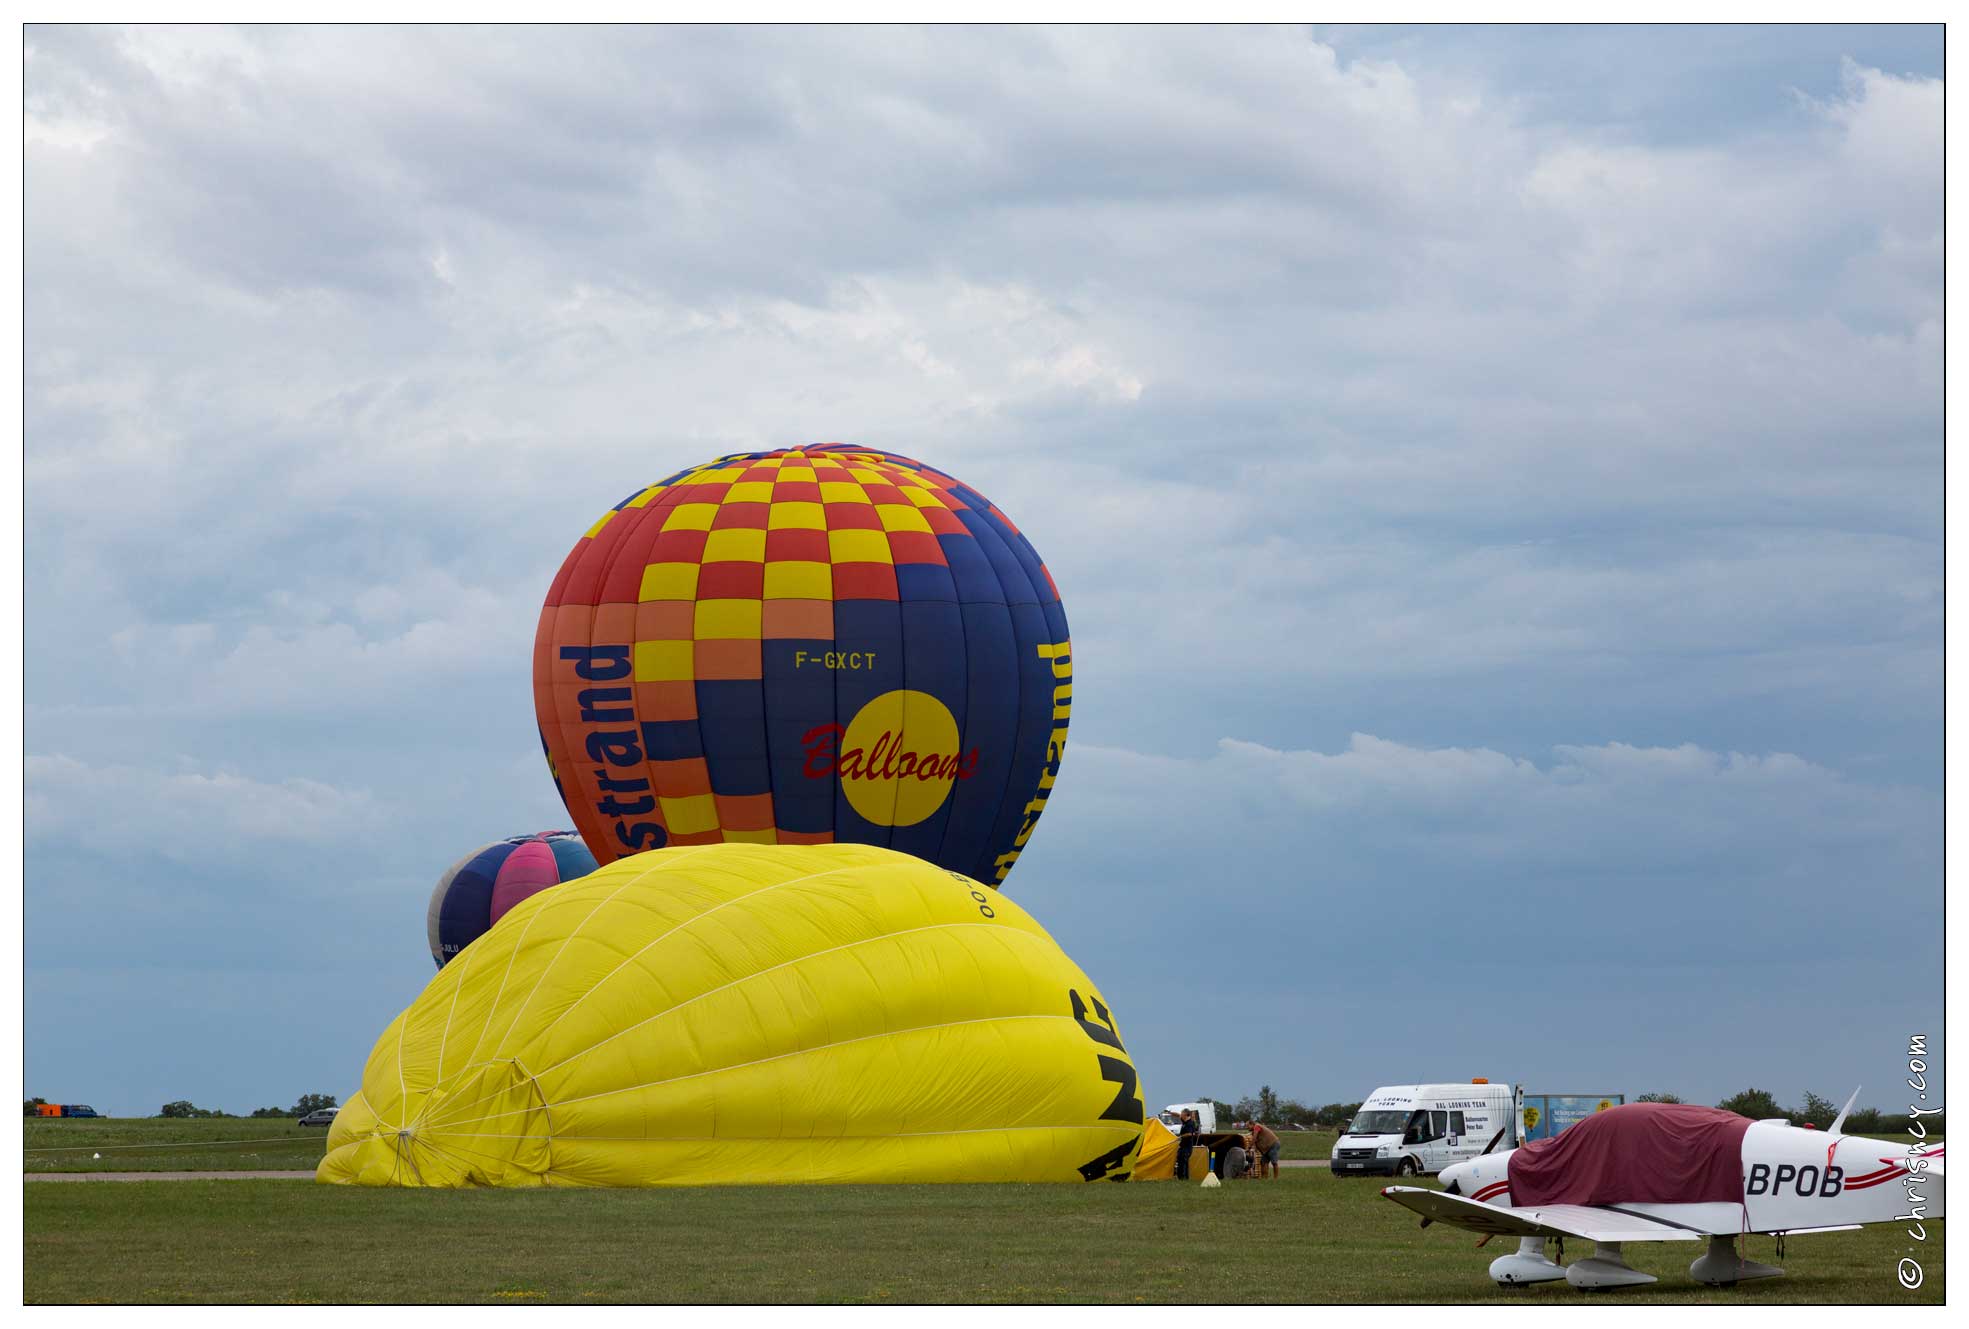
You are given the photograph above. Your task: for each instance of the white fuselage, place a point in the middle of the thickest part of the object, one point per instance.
(1793, 1179)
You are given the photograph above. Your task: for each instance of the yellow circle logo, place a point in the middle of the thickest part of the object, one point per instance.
(897, 759)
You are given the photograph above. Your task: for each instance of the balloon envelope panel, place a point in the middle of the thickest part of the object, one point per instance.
(806, 646)
(478, 890)
(749, 1014)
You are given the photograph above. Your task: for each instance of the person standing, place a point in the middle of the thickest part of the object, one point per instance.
(1264, 1143)
(1186, 1134)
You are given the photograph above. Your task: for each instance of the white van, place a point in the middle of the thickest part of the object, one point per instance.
(1405, 1129)
(1206, 1117)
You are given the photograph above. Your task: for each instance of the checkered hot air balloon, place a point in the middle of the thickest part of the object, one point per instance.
(805, 646)
(479, 888)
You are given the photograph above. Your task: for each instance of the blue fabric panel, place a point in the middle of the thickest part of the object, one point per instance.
(466, 913)
(991, 719)
(731, 714)
(933, 662)
(799, 697)
(1012, 578)
(1035, 724)
(925, 581)
(571, 857)
(977, 581)
(672, 740)
(873, 627)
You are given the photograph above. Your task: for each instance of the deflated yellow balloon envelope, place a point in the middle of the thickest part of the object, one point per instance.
(735, 1013)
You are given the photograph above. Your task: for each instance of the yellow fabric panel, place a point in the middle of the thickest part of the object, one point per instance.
(859, 547)
(691, 517)
(727, 619)
(692, 815)
(735, 546)
(789, 515)
(669, 581)
(740, 1013)
(793, 580)
(901, 517)
(663, 661)
(1157, 1159)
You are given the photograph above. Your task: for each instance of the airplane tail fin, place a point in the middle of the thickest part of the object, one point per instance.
(1840, 1120)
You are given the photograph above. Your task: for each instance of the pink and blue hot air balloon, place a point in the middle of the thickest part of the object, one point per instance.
(480, 887)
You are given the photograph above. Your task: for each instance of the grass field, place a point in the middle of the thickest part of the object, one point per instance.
(153, 1144)
(1308, 1237)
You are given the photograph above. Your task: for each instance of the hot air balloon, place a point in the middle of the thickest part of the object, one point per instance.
(739, 1013)
(477, 890)
(800, 647)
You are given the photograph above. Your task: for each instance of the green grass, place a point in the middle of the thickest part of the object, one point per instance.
(1305, 1144)
(154, 1144)
(1309, 1237)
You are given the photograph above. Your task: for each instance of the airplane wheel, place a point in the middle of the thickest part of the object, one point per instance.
(1406, 1168)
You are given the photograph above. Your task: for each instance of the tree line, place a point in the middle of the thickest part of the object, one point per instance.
(1815, 1111)
(1268, 1107)
(302, 1107)
(184, 1107)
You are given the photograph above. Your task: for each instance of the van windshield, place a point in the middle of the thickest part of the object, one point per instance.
(1378, 1123)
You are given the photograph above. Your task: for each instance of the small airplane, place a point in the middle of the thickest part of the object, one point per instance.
(1676, 1172)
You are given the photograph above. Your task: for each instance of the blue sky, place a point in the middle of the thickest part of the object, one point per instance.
(1494, 477)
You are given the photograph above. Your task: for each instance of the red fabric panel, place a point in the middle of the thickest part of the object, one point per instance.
(1638, 1153)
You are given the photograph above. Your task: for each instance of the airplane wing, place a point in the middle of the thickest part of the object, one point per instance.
(1585, 1222)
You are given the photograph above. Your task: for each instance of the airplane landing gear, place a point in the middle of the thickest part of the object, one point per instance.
(1529, 1264)
(1605, 1268)
(1720, 1267)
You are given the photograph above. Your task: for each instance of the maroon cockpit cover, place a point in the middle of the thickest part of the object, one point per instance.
(1638, 1153)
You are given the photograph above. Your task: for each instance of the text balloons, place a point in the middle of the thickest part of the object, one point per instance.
(749, 1014)
(479, 888)
(801, 647)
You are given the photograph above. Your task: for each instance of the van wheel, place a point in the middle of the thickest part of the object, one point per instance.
(1406, 1168)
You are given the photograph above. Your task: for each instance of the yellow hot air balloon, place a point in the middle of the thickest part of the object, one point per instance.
(739, 1013)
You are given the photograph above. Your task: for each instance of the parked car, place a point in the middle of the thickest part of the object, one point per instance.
(319, 1117)
(79, 1110)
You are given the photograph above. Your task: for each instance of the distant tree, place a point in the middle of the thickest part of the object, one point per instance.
(1864, 1121)
(1817, 1111)
(1753, 1103)
(1267, 1106)
(1657, 1098)
(184, 1107)
(1335, 1116)
(271, 1112)
(1293, 1111)
(1900, 1123)
(312, 1102)
(34, 1106)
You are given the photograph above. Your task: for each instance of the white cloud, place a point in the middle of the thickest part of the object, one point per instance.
(1339, 394)
(190, 814)
(1593, 811)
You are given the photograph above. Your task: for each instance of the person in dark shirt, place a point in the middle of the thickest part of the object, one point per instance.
(1186, 1134)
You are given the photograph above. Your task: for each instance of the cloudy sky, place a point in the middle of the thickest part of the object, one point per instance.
(1494, 476)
